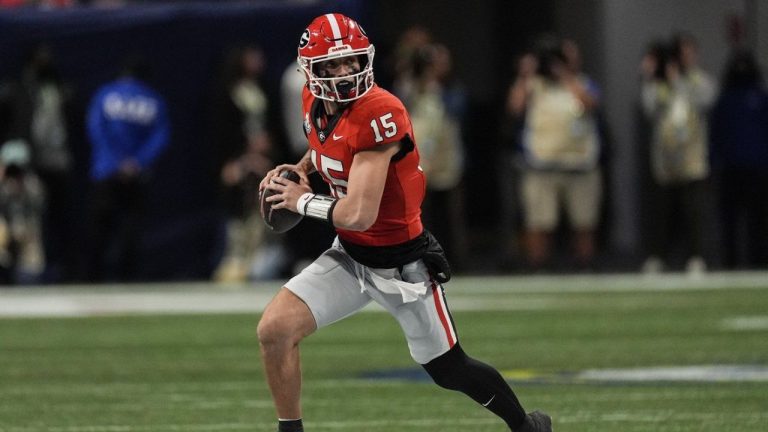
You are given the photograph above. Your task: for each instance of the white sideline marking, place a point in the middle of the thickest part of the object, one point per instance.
(590, 417)
(196, 298)
(148, 299)
(746, 323)
(713, 373)
(612, 283)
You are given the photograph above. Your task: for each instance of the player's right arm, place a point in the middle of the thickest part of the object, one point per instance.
(359, 209)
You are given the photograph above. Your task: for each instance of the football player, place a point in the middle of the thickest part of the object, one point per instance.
(361, 142)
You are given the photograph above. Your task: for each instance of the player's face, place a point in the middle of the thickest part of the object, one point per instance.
(338, 67)
(342, 78)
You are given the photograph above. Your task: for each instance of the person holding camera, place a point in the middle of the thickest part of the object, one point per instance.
(676, 96)
(559, 149)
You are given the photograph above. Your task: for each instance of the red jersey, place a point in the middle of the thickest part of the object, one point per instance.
(378, 118)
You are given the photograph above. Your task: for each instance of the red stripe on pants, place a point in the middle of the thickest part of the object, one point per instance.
(442, 313)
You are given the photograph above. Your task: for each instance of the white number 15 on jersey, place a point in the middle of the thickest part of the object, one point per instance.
(390, 128)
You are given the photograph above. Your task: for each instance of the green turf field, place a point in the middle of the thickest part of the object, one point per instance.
(587, 356)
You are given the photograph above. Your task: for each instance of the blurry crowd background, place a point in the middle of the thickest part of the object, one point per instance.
(133, 134)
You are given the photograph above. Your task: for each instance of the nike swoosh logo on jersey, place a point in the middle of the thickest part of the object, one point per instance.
(337, 137)
(489, 402)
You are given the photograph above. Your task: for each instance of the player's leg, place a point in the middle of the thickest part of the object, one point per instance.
(433, 343)
(285, 322)
(455, 370)
(324, 292)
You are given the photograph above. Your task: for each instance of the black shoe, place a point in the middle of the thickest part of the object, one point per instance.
(536, 421)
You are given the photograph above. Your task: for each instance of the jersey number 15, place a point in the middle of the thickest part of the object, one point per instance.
(390, 128)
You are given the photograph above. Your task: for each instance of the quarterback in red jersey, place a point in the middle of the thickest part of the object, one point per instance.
(377, 120)
(361, 142)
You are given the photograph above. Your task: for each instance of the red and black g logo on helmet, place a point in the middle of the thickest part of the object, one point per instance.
(304, 40)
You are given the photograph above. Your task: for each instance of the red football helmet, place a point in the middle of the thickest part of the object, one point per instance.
(333, 36)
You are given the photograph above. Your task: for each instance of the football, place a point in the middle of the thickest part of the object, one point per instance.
(279, 220)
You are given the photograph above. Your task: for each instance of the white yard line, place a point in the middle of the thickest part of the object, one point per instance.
(181, 298)
(746, 323)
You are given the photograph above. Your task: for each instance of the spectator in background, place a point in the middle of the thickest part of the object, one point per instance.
(128, 126)
(676, 97)
(587, 245)
(437, 105)
(21, 205)
(408, 45)
(39, 112)
(560, 151)
(739, 156)
(245, 154)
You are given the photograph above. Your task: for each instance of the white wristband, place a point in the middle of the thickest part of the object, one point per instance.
(301, 204)
(316, 206)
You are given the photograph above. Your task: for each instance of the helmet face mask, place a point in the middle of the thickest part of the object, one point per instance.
(334, 37)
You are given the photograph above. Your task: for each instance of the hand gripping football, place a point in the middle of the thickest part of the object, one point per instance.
(279, 220)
